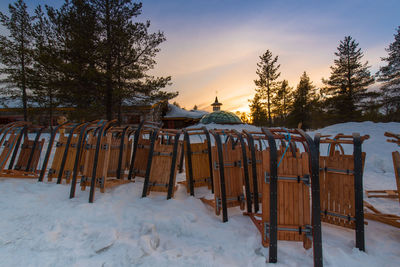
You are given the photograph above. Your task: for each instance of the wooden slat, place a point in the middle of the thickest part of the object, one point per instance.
(396, 165)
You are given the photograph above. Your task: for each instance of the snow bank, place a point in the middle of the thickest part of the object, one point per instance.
(41, 226)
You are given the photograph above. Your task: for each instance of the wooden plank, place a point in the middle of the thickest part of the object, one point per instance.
(396, 165)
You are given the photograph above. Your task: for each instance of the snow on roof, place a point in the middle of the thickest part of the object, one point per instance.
(177, 112)
(140, 100)
(239, 127)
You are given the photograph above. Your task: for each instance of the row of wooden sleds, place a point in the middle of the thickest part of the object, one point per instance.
(278, 175)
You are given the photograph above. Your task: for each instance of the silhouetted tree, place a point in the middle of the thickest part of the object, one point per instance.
(390, 76)
(16, 53)
(304, 101)
(258, 114)
(282, 100)
(267, 71)
(45, 77)
(349, 80)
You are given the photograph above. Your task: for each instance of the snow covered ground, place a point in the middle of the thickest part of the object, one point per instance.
(41, 226)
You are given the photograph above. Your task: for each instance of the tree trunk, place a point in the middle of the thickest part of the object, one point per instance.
(109, 87)
(51, 110)
(23, 82)
(269, 105)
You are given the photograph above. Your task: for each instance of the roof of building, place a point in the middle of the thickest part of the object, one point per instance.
(177, 112)
(221, 117)
(216, 103)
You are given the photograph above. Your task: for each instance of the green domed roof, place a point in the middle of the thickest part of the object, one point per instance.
(221, 117)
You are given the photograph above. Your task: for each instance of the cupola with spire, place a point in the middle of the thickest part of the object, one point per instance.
(216, 105)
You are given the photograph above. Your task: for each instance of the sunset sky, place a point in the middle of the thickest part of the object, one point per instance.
(213, 45)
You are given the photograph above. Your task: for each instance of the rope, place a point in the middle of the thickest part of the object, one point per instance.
(288, 138)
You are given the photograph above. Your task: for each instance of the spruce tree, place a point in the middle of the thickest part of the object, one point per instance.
(304, 100)
(282, 100)
(267, 71)
(128, 50)
(16, 53)
(349, 80)
(258, 113)
(390, 76)
(77, 33)
(45, 78)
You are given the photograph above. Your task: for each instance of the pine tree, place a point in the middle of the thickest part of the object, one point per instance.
(128, 50)
(282, 100)
(390, 76)
(16, 53)
(77, 29)
(258, 113)
(349, 80)
(267, 71)
(304, 100)
(44, 82)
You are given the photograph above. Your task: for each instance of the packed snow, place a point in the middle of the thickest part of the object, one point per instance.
(41, 226)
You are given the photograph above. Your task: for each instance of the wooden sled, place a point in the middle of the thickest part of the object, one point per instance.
(254, 151)
(11, 138)
(228, 161)
(120, 148)
(396, 165)
(197, 160)
(53, 135)
(287, 193)
(162, 162)
(371, 213)
(293, 188)
(65, 154)
(28, 157)
(80, 156)
(141, 148)
(96, 161)
(341, 184)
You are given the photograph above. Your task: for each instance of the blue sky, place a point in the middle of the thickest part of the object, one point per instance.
(213, 45)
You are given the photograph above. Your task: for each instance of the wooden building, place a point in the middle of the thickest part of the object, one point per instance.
(178, 118)
(133, 111)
